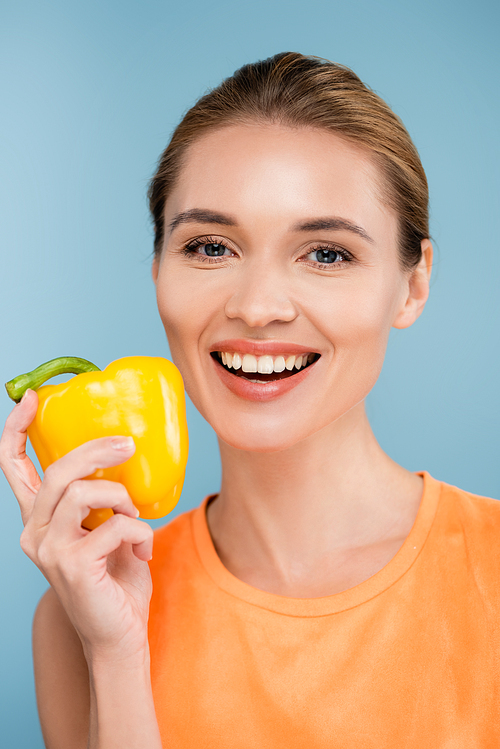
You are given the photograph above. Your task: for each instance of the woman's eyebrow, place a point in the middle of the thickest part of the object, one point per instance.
(207, 216)
(201, 216)
(332, 223)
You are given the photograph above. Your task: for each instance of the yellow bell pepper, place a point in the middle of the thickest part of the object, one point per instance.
(137, 396)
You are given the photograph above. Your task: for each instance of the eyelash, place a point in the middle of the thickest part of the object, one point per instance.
(189, 250)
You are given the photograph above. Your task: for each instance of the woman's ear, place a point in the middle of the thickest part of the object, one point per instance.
(154, 269)
(418, 288)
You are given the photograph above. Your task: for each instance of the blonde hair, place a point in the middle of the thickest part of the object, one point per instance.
(304, 91)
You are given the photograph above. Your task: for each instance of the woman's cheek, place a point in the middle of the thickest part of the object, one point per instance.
(178, 316)
(187, 311)
(358, 328)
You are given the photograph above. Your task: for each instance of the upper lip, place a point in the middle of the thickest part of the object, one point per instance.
(261, 348)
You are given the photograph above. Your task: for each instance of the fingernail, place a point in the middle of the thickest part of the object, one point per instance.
(122, 443)
(24, 396)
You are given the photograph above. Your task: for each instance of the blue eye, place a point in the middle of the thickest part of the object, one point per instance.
(210, 249)
(327, 256)
(203, 249)
(214, 250)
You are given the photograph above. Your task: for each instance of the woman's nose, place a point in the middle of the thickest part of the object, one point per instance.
(259, 298)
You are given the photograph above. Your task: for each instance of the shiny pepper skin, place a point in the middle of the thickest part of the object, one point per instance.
(137, 396)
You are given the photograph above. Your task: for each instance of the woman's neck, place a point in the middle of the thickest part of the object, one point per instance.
(318, 516)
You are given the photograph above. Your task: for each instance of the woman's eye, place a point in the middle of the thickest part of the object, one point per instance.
(204, 250)
(326, 256)
(213, 249)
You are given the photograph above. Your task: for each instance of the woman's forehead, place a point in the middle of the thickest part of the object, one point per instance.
(272, 171)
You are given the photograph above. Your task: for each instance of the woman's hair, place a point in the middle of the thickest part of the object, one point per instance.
(297, 91)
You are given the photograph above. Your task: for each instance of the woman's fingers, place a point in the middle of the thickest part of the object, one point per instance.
(83, 495)
(77, 464)
(117, 530)
(17, 467)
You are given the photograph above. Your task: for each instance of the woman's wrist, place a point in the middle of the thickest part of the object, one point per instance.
(122, 710)
(103, 660)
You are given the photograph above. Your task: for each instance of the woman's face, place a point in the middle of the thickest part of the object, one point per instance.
(279, 253)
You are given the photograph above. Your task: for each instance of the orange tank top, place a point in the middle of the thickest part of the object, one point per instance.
(408, 659)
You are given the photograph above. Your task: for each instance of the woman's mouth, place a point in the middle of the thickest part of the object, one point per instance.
(266, 368)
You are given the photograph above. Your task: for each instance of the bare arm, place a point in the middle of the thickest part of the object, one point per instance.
(115, 700)
(61, 677)
(90, 631)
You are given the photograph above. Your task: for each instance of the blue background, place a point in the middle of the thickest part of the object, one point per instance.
(89, 93)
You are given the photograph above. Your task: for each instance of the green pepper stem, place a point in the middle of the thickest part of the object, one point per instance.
(17, 387)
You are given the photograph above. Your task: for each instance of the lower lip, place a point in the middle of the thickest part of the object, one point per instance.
(256, 391)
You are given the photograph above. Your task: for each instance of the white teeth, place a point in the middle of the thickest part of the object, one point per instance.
(265, 364)
(249, 363)
(279, 364)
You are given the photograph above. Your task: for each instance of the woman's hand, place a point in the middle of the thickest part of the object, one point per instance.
(101, 577)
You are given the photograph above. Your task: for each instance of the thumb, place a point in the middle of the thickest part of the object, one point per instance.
(17, 467)
(24, 412)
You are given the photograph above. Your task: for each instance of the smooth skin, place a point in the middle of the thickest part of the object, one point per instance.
(309, 503)
(90, 628)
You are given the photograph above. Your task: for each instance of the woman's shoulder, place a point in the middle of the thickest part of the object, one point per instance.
(175, 527)
(483, 512)
(471, 522)
(174, 540)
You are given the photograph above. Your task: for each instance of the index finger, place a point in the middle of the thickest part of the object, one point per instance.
(17, 467)
(78, 464)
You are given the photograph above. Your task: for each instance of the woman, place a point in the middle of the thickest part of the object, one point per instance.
(326, 596)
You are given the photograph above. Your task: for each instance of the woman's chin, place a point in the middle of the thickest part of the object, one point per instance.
(263, 440)
(254, 444)
(276, 434)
